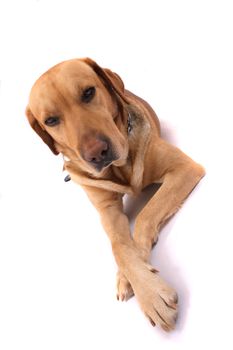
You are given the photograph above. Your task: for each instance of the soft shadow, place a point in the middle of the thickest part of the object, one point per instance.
(167, 133)
(133, 205)
(163, 261)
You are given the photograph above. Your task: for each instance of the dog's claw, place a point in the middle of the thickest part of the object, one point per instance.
(173, 306)
(122, 297)
(151, 268)
(152, 322)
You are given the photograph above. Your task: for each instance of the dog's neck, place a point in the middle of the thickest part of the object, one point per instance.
(138, 130)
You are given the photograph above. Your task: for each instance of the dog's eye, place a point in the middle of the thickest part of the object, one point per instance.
(52, 121)
(88, 94)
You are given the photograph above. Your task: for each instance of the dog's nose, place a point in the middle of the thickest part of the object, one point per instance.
(98, 153)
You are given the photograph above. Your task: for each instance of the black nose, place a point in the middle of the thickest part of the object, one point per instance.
(98, 153)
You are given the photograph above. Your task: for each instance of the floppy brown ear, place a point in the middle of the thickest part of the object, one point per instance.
(41, 132)
(111, 80)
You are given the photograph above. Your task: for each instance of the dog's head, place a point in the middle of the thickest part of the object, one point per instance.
(77, 108)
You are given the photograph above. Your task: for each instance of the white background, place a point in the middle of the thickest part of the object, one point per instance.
(57, 273)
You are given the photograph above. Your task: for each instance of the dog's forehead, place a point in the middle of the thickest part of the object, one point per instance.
(66, 78)
(76, 69)
(66, 73)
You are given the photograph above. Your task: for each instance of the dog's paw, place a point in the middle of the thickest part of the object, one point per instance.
(157, 300)
(124, 289)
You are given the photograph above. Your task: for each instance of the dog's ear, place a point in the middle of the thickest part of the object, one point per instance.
(41, 132)
(111, 80)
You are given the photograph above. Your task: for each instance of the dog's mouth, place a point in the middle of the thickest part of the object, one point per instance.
(104, 164)
(119, 162)
(115, 160)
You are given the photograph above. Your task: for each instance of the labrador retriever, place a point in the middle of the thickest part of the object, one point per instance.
(111, 143)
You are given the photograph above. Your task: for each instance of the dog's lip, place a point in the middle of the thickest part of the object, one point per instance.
(119, 162)
(107, 163)
(104, 166)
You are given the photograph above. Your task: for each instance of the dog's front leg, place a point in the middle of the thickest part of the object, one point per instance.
(156, 298)
(179, 176)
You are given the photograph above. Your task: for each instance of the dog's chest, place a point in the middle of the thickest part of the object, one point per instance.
(124, 174)
(131, 174)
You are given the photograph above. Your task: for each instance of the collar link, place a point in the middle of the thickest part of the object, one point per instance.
(129, 123)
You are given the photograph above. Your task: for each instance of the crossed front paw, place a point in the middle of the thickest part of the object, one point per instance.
(157, 300)
(124, 289)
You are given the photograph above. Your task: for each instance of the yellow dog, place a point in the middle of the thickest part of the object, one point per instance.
(111, 142)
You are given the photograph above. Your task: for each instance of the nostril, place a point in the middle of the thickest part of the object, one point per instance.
(104, 153)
